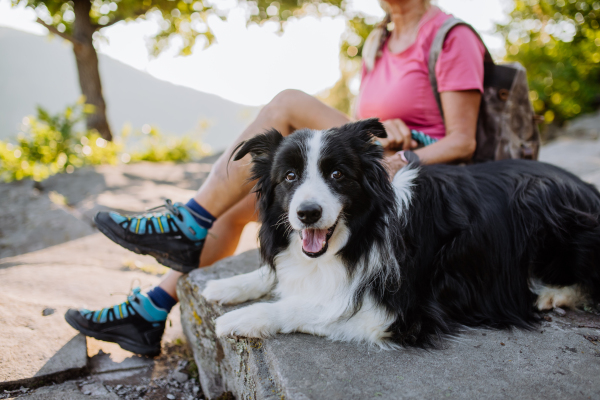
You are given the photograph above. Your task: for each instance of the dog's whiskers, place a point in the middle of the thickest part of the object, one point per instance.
(281, 221)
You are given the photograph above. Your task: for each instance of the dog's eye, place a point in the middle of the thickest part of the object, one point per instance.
(290, 177)
(336, 175)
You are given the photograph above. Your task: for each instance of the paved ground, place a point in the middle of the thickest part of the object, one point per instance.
(52, 258)
(581, 157)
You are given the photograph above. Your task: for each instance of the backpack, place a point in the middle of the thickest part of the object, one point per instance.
(506, 127)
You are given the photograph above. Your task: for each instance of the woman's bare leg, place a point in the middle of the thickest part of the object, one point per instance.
(225, 193)
(288, 111)
(223, 239)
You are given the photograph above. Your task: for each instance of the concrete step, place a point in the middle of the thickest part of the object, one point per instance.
(37, 346)
(560, 359)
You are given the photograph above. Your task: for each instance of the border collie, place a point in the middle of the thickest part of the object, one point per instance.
(354, 256)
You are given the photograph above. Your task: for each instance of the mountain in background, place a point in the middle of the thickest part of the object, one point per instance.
(37, 70)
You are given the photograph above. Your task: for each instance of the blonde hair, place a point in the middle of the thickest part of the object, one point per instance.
(372, 48)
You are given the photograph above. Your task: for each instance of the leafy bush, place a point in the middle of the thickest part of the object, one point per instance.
(50, 144)
(558, 41)
(151, 145)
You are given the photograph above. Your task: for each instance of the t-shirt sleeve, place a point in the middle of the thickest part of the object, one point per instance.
(460, 64)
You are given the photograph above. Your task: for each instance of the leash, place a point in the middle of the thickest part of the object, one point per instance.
(419, 137)
(422, 138)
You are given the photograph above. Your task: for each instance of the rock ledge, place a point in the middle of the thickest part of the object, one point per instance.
(561, 359)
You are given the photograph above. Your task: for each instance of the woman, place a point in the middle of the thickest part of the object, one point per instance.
(395, 88)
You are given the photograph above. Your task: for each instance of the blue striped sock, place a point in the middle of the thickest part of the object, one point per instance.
(161, 299)
(198, 209)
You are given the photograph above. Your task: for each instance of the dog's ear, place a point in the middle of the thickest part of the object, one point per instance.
(259, 146)
(366, 129)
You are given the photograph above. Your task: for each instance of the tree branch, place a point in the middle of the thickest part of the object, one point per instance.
(114, 21)
(56, 31)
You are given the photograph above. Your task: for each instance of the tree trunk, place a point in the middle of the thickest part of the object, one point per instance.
(87, 67)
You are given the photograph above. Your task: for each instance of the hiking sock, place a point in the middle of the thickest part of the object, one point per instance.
(160, 299)
(204, 218)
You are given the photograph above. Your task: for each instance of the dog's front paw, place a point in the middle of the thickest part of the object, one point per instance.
(224, 291)
(252, 322)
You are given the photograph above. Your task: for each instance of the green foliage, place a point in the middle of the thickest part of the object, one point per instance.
(558, 41)
(282, 10)
(185, 18)
(157, 147)
(354, 38)
(51, 144)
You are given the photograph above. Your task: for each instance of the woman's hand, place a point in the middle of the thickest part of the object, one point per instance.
(399, 136)
(393, 163)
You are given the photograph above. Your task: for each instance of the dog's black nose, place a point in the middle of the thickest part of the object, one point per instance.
(309, 213)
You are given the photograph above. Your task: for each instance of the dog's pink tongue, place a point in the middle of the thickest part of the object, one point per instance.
(312, 239)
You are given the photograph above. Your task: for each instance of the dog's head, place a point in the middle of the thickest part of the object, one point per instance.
(311, 182)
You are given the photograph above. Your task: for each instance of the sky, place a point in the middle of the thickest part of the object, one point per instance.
(251, 64)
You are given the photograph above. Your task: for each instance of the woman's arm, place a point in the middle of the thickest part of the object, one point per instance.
(461, 110)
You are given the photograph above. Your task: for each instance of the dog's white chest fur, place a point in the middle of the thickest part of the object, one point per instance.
(313, 296)
(335, 232)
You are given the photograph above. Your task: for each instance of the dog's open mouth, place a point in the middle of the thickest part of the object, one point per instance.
(316, 241)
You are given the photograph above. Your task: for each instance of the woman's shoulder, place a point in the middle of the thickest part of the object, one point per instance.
(435, 21)
(431, 23)
(460, 38)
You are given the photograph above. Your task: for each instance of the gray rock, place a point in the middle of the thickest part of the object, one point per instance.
(62, 208)
(180, 376)
(94, 389)
(65, 353)
(477, 364)
(81, 273)
(66, 391)
(30, 220)
(103, 363)
(48, 311)
(560, 311)
(585, 126)
(581, 157)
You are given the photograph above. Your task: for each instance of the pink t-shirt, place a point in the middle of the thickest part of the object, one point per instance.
(399, 87)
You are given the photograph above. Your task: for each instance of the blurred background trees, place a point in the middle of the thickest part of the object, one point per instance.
(558, 41)
(80, 22)
(341, 95)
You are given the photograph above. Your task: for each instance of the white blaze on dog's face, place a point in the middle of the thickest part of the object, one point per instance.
(316, 187)
(315, 207)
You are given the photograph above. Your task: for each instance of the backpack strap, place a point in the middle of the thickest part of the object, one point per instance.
(436, 50)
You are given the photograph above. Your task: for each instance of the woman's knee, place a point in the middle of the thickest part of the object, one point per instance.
(283, 106)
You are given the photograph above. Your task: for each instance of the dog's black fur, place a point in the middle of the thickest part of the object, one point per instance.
(468, 244)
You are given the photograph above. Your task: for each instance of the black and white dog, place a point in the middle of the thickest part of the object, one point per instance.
(353, 256)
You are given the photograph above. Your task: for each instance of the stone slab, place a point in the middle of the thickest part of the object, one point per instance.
(80, 273)
(34, 216)
(103, 362)
(90, 272)
(30, 220)
(71, 391)
(553, 361)
(581, 157)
